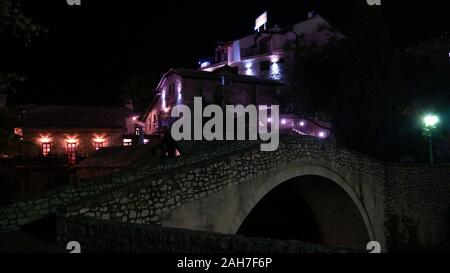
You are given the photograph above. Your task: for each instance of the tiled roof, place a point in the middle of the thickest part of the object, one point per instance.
(58, 116)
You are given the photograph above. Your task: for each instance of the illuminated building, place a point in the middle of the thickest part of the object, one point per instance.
(223, 86)
(77, 131)
(269, 53)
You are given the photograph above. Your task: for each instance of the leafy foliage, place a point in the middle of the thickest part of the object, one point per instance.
(372, 92)
(14, 26)
(139, 90)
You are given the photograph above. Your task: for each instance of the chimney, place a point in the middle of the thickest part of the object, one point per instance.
(129, 105)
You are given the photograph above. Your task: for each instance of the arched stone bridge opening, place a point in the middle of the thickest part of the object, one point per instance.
(309, 203)
(309, 209)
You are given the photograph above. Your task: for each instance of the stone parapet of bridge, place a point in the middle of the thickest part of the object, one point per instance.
(216, 190)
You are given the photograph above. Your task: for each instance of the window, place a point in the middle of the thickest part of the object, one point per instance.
(98, 145)
(137, 131)
(155, 122)
(146, 141)
(46, 149)
(171, 89)
(127, 142)
(71, 153)
(225, 80)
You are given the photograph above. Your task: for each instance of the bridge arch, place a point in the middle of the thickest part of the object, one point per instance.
(226, 211)
(340, 216)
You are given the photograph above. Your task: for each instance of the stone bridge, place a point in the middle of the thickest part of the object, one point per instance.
(344, 198)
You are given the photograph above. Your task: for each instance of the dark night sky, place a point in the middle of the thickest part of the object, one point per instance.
(92, 50)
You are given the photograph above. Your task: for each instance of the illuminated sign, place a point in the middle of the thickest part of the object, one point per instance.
(261, 21)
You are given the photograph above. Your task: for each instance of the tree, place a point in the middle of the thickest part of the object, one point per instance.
(370, 90)
(140, 90)
(14, 26)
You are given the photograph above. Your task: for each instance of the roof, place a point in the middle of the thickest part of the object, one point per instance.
(234, 77)
(59, 116)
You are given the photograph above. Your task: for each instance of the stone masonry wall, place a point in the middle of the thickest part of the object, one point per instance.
(38, 206)
(145, 201)
(112, 237)
(420, 197)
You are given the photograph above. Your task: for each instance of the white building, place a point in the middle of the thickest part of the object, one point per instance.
(269, 53)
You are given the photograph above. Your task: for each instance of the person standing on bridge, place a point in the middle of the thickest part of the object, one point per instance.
(169, 145)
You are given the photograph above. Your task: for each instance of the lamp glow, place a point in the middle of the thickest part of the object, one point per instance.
(430, 120)
(99, 139)
(45, 139)
(274, 59)
(71, 140)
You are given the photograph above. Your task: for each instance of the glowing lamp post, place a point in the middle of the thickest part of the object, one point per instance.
(430, 123)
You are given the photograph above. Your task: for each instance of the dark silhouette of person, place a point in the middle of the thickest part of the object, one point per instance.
(169, 145)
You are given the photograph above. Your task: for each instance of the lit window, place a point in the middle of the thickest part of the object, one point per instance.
(99, 142)
(71, 153)
(225, 80)
(155, 122)
(98, 145)
(146, 140)
(46, 149)
(137, 131)
(127, 142)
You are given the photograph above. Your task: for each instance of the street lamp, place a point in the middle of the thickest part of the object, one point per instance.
(430, 122)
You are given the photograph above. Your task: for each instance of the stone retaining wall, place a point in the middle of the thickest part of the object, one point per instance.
(112, 237)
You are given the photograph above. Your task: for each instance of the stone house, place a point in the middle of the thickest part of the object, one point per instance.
(77, 131)
(223, 87)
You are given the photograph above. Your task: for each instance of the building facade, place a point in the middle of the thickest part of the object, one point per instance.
(223, 87)
(75, 132)
(270, 54)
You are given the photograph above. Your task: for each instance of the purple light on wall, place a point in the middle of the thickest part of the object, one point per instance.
(322, 134)
(269, 120)
(302, 123)
(283, 121)
(274, 59)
